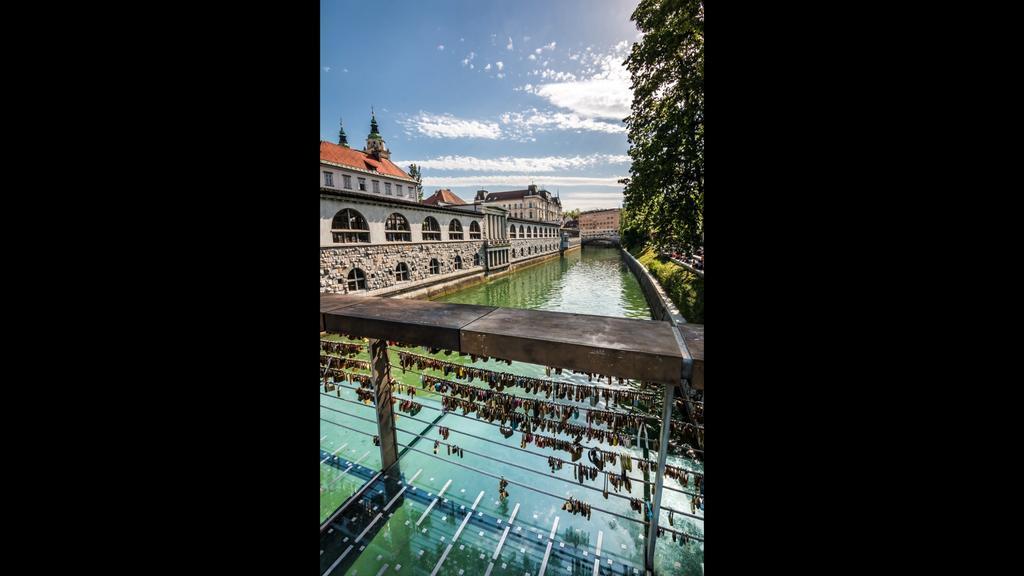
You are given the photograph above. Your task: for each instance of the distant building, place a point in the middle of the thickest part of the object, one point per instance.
(599, 222)
(369, 171)
(375, 236)
(531, 204)
(443, 197)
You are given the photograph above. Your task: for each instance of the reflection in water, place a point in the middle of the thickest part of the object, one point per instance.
(587, 281)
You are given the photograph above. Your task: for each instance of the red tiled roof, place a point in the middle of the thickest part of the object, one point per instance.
(331, 152)
(444, 195)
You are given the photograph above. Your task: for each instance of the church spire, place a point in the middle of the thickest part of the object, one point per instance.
(342, 139)
(373, 124)
(374, 142)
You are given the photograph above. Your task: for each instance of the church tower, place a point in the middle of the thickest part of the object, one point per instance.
(374, 143)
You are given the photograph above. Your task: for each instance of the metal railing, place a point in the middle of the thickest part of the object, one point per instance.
(648, 351)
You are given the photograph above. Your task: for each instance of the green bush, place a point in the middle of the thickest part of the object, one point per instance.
(684, 288)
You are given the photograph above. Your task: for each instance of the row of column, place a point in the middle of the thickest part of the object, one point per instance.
(495, 227)
(497, 258)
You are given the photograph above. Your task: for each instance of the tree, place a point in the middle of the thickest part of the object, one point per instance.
(573, 214)
(664, 195)
(414, 173)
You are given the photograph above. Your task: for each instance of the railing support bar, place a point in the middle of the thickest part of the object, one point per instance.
(380, 371)
(652, 529)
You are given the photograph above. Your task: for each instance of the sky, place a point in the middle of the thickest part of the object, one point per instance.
(485, 94)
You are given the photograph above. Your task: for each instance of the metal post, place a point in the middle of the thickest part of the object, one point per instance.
(666, 426)
(381, 375)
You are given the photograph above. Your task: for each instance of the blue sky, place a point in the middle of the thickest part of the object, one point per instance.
(485, 94)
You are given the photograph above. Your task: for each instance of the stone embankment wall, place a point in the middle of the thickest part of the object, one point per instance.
(379, 262)
(661, 305)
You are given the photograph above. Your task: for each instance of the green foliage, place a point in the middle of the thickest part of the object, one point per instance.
(414, 173)
(664, 195)
(684, 288)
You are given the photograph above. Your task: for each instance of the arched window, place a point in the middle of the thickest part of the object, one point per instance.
(435, 267)
(396, 229)
(474, 230)
(356, 280)
(521, 234)
(512, 231)
(431, 229)
(476, 259)
(458, 262)
(401, 272)
(349, 226)
(529, 232)
(455, 230)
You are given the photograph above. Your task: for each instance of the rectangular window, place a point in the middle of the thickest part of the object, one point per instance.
(387, 188)
(348, 181)
(350, 237)
(328, 179)
(376, 187)
(362, 184)
(398, 190)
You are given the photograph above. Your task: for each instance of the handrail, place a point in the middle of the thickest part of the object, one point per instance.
(645, 350)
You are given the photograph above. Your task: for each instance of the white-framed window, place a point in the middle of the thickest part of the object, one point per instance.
(362, 184)
(329, 179)
(376, 187)
(387, 188)
(347, 180)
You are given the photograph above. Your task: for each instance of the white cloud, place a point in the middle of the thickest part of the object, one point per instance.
(532, 57)
(344, 69)
(538, 50)
(522, 126)
(509, 45)
(462, 39)
(526, 38)
(465, 62)
(488, 67)
(472, 55)
(528, 87)
(500, 65)
(448, 126)
(518, 164)
(550, 46)
(470, 66)
(500, 75)
(440, 46)
(549, 74)
(520, 179)
(327, 68)
(603, 93)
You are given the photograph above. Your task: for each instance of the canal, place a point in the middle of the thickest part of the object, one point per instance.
(465, 530)
(587, 281)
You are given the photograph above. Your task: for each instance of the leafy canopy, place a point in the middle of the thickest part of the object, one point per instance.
(664, 195)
